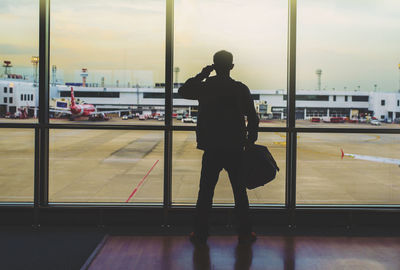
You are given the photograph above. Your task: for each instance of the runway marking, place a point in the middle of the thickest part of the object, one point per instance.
(141, 181)
(376, 137)
(372, 158)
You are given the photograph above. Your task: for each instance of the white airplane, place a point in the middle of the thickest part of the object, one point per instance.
(372, 158)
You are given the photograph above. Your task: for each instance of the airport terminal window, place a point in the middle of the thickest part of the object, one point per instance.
(310, 97)
(186, 169)
(366, 176)
(161, 95)
(360, 98)
(329, 58)
(118, 55)
(258, 42)
(17, 153)
(18, 51)
(110, 166)
(91, 94)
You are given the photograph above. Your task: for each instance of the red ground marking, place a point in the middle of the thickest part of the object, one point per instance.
(141, 181)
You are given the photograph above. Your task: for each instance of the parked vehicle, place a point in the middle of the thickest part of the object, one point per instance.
(375, 123)
(187, 120)
(316, 119)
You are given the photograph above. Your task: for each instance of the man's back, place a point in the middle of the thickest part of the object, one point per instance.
(223, 104)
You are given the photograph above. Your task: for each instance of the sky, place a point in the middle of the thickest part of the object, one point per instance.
(354, 42)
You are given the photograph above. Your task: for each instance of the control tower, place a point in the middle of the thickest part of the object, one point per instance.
(319, 73)
(84, 75)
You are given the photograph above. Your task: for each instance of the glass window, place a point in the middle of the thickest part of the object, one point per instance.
(360, 98)
(348, 168)
(330, 60)
(383, 102)
(118, 166)
(186, 169)
(10, 100)
(5, 100)
(22, 97)
(17, 165)
(256, 35)
(19, 46)
(31, 96)
(334, 98)
(111, 54)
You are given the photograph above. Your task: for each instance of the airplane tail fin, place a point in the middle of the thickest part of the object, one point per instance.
(72, 97)
(342, 152)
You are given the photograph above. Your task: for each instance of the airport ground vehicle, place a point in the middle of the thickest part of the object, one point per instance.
(142, 117)
(125, 117)
(375, 123)
(179, 117)
(316, 119)
(187, 120)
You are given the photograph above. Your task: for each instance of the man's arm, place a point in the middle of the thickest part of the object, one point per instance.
(252, 118)
(192, 88)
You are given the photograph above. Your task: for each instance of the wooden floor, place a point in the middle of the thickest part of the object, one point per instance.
(268, 252)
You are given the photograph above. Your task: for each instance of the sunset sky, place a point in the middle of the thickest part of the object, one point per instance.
(354, 42)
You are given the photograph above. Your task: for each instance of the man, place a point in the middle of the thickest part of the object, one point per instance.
(222, 134)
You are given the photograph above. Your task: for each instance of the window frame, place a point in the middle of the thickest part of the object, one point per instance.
(42, 127)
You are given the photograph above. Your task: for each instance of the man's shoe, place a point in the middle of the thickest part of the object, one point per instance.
(197, 239)
(247, 238)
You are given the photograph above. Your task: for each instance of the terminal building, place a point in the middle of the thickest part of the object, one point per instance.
(19, 94)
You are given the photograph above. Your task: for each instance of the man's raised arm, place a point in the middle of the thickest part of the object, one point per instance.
(192, 88)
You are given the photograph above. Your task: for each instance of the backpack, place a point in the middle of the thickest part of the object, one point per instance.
(258, 166)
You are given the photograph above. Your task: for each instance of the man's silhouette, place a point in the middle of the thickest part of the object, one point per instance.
(221, 132)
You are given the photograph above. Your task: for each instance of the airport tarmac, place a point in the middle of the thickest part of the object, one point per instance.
(127, 166)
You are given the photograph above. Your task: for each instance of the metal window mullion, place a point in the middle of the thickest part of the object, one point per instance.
(291, 138)
(169, 50)
(41, 196)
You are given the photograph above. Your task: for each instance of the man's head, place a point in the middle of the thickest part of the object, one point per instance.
(223, 62)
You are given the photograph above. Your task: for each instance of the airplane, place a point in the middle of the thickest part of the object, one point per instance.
(87, 110)
(372, 158)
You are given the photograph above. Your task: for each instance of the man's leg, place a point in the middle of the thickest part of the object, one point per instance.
(209, 176)
(243, 223)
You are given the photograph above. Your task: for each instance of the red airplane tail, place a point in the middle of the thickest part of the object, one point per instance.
(342, 152)
(72, 97)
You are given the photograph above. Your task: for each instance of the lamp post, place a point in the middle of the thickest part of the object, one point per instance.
(35, 62)
(7, 65)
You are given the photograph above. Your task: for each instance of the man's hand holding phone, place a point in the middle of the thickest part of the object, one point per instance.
(206, 71)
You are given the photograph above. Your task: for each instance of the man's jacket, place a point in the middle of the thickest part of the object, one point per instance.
(223, 105)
